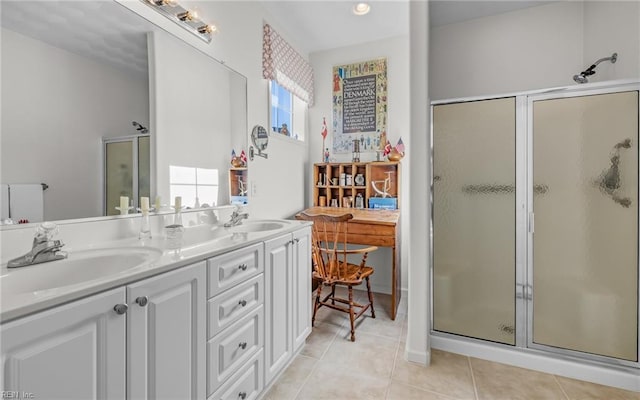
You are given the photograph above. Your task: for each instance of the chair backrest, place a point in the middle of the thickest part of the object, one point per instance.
(328, 245)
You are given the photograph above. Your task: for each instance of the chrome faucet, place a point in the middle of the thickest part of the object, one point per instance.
(236, 218)
(44, 249)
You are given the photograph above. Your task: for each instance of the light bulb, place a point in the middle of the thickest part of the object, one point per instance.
(361, 9)
(187, 16)
(210, 29)
(159, 3)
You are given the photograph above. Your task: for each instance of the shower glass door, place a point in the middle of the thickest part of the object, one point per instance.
(127, 170)
(585, 236)
(474, 219)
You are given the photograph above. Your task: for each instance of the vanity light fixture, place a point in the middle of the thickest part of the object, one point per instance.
(361, 9)
(171, 3)
(188, 19)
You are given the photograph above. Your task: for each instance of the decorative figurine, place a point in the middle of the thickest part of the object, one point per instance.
(326, 155)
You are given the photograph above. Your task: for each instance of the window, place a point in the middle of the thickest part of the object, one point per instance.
(193, 184)
(286, 110)
(281, 109)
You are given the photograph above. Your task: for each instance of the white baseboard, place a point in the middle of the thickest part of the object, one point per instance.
(419, 357)
(622, 377)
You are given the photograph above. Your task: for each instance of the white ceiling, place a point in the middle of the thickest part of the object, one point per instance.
(321, 25)
(107, 32)
(100, 29)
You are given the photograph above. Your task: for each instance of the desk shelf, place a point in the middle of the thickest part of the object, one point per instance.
(327, 179)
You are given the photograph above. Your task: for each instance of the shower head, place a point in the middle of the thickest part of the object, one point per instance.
(582, 76)
(139, 127)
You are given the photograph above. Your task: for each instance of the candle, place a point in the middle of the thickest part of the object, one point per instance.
(124, 204)
(144, 204)
(178, 203)
(158, 204)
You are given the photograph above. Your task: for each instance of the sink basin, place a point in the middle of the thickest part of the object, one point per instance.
(257, 226)
(79, 267)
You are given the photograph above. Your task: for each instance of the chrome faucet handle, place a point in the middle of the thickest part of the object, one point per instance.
(50, 247)
(45, 231)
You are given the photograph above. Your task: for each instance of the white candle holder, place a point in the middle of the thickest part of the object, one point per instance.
(124, 210)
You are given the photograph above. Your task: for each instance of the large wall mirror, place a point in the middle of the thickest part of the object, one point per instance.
(77, 75)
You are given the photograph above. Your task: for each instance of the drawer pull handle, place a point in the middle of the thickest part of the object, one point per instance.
(242, 303)
(242, 345)
(120, 308)
(296, 240)
(142, 301)
(242, 395)
(243, 267)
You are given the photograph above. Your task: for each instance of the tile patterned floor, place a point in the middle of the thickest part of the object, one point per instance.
(332, 367)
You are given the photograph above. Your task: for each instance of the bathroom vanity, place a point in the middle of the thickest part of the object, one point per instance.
(218, 318)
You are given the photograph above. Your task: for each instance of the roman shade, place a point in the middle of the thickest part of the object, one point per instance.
(283, 64)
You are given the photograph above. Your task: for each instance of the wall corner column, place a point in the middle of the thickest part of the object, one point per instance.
(419, 303)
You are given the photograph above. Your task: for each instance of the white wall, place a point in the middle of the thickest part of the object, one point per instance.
(192, 107)
(396, 50)
(612, 26)
(52, 126)
(534, 48)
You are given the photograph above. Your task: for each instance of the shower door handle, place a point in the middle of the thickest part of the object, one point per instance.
(524, 291)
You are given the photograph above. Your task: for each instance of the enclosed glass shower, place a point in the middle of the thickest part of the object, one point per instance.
(535, 221)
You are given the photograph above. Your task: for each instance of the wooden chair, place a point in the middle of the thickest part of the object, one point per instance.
(331, 268)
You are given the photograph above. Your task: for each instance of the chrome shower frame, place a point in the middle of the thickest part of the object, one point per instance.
(525, 353)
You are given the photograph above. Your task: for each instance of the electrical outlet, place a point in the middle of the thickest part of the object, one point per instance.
(254, 189)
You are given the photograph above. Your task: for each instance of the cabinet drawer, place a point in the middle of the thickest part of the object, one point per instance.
(229, 269)
(233, 347)
(245, 384)
(230, 306)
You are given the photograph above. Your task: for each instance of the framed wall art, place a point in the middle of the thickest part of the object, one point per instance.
(360, 106)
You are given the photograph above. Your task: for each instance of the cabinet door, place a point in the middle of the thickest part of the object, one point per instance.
(167, 335)
(301, 270)
(278, 307)
(75, 351)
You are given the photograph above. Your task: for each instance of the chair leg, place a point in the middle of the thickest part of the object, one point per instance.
(352, 315)
(373, 313)
(333, 294)
(316, 304)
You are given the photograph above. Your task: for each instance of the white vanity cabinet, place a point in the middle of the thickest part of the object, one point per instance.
(222, 328)
(235, 311)
(152, 331)
(166, 335)
(74, 351)
(287, 298)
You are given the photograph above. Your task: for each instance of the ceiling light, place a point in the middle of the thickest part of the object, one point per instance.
(361, 9)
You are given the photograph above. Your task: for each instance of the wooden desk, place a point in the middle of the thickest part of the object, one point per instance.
(374, 228)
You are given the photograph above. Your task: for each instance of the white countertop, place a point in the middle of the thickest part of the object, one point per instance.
(14, 305)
